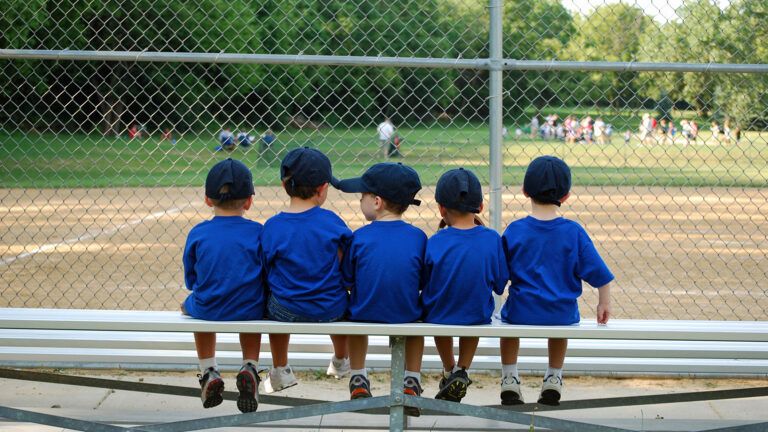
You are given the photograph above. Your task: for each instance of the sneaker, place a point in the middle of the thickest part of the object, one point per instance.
(359, 387)
(454, 387)
(412, 387)
(510, 391)
(278, 379)
(551, 390)
(212, 387)
(340, 369)
(248, 386)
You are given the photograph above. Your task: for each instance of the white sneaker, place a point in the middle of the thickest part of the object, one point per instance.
(551, 390)
(340, 369)
(510, 390)
(279, 378)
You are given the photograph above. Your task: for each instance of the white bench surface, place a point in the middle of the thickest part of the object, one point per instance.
(167, 321)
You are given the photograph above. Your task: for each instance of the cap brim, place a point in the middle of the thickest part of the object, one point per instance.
(352, 185)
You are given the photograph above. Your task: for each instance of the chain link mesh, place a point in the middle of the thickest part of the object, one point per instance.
(102, 162)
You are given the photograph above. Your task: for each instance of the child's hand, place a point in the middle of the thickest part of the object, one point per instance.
(603, 312)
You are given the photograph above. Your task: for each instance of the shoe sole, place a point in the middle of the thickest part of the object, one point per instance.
(246, 400)
(549, 397)
(453, 392)
(213, 396)
(511, 398)
(412, 411)
(359, 395)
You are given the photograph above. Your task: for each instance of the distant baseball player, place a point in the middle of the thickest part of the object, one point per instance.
(223, 269)
(386, 132)
(548, 258)
(464, 266)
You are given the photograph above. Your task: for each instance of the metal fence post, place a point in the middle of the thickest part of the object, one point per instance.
(495, 119)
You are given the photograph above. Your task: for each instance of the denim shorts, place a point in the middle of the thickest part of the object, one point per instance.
(278, 312)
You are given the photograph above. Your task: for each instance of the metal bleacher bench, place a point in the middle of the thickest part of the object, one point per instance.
(37, 337)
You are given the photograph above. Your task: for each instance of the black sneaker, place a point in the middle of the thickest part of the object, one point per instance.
(212, 387)
(359, 387)
(248, 385)
(454, 388)
(412, 387)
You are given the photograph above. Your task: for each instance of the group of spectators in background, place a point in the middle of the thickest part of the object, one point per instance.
(651, 130)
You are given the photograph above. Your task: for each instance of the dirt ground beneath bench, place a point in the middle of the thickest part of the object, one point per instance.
(678, 253)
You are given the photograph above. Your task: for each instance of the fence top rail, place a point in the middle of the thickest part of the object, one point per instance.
(167, 321)
(378, 61)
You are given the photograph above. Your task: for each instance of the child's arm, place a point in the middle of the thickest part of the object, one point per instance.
(604, 304)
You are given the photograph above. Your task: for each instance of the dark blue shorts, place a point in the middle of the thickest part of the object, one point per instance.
(278, 312)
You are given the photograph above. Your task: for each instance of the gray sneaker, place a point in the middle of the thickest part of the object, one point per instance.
(510, 390)
(212, 388)
(279, 378)
(248, 386)
(551, 390)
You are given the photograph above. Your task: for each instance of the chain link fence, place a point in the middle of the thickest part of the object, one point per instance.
(111, 114)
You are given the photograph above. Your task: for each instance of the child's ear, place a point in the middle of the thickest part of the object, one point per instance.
(525, 193)
(562, 200)
(208, 201)
(378, 203)
(320, 189)
(248, 203)
(481, 207)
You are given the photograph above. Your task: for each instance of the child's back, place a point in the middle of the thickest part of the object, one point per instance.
(301, 253)
(465, 267)
(223, 269)
(385, 262)
(548, 259)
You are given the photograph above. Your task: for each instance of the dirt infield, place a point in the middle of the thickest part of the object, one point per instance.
(678, 253)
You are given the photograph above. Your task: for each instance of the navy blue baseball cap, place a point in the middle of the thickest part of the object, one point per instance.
(459, 189)
(394, 182)
(547, 180)
(306, 167)
(229, 172)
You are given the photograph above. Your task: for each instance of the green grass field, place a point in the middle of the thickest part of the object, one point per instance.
(32, 160)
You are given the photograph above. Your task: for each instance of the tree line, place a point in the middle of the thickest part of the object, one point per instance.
(107, 96)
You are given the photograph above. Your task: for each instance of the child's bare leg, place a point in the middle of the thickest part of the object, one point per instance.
(467, 349)
(444, 345)
(358, 348)
(205, 344)
(509, 347)
(250, 343)
(414, 351)
(278, 344)
(340, 348)
(557, 349)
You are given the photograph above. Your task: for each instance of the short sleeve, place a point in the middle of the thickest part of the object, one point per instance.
(189, 258)
(591, 268)
(348, 265)
(502, 271)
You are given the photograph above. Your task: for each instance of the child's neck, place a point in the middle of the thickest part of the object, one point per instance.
(463, 221)
(386, 216)
(300, 205)
(544, 212)
(217, 211)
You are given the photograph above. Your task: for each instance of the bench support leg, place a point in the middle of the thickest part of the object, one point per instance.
(397, 419)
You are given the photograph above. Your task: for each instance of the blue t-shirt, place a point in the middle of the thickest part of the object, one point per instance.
(224, 271)
(463, 268)
(301, 257)
(384, 267)
(547, 262)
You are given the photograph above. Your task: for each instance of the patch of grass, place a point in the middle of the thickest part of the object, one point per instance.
(78, 160)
